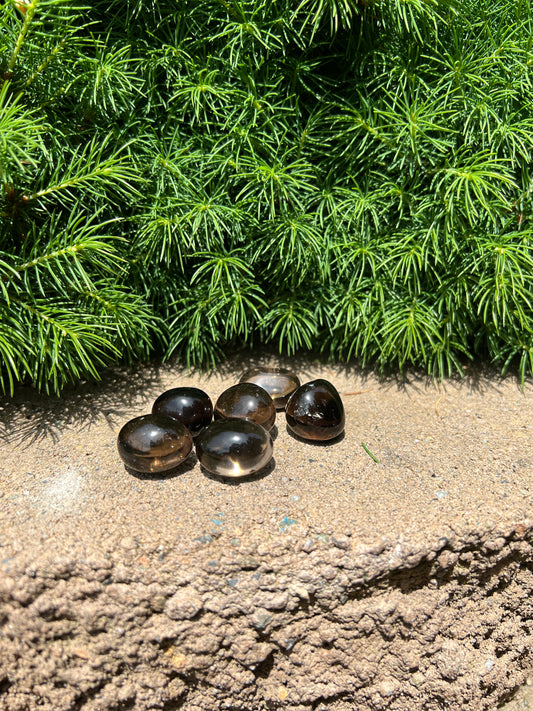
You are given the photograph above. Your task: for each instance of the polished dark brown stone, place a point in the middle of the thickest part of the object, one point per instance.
(234, 448)
(191, 406)
(154, 443)
(315, 411)
(279, 383)
(246, 401)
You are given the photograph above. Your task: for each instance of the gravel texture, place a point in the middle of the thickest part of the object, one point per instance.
(329, 581)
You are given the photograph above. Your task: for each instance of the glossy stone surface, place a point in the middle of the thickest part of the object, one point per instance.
(246, 401)
(154, 443)
(191, 406)
(315, 411)
(234, 448)
(280, 383)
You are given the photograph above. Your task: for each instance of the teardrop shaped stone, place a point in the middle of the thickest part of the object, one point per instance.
(315, 411)
(191, 406)
(234, 448)
(246, 401)
(279, 383)
(154, 443)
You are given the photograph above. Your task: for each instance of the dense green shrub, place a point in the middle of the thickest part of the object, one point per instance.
(183, 175)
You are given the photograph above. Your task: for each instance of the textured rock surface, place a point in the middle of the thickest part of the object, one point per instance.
(331, 583)
(296, 622)
(522, 700)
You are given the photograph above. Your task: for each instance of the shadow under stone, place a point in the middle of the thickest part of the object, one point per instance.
(181, 469)
(316, 442)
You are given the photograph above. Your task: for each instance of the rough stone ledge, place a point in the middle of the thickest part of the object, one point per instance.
(305, 621)
(336, 581)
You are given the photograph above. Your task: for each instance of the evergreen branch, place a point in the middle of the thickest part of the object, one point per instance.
(89, 168)
(71, 260)
(20, 136)
(226, 270)
(410, 331)
(28, 13)
(339, 12)
(293, 248)
(46, 61)
(292, 323)
(68, 344)
(350, 176)
(12, 343)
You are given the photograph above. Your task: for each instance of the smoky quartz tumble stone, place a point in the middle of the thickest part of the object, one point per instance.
(315, 411)
(191, 406)
(246, 401)
(154, 443)
(234, 448)
(279, 383)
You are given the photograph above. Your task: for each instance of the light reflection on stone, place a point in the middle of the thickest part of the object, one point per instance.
(234, 448)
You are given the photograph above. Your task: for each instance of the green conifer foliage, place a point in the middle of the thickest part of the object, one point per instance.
(181, 176)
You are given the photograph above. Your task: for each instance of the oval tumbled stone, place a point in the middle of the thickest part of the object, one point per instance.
(191, 406)
(279, 383)
(234, 448)
(315, 411)
(246, 401)
(154, 443)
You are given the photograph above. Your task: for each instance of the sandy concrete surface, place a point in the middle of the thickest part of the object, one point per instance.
(327, 582)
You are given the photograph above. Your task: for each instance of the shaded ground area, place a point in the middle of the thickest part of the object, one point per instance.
(329, 581)
(522, 700)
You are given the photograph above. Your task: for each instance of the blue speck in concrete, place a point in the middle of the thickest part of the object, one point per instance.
(286, 522)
